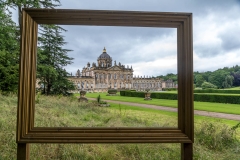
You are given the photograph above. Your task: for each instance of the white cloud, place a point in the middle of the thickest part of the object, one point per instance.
(213, 63)
(157, 67)
(216, 42)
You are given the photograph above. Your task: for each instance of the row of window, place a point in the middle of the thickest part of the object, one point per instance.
(113, 76)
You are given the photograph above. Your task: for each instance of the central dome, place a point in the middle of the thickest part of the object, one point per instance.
(104, 55)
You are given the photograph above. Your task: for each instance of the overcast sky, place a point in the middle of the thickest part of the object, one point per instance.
(153, 51)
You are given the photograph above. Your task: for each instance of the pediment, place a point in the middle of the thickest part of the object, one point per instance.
(114, 68)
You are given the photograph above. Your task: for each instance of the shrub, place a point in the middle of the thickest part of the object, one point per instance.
(169, 89)
(208, 85)
(112, 91)
(122, 93)
(172, 96)
(98, 98)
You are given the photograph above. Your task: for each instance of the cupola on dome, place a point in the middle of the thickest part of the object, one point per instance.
(104, 55)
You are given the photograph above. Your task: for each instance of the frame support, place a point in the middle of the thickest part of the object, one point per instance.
(23, 151)
(186, 151)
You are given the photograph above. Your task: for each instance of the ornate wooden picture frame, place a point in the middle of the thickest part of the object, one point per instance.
(27, 133)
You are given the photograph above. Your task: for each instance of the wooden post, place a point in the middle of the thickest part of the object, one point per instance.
(186, 151)
(23, 152)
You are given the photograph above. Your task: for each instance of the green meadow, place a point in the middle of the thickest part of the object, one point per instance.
(214, 138)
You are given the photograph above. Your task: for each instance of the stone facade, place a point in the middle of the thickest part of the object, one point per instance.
(104, 75)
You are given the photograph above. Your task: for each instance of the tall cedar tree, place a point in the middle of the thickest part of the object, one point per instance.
(51, 60)
(9, 52)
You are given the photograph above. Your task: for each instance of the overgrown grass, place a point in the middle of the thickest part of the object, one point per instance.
(64, 111)
(204, 106)
(87, 115)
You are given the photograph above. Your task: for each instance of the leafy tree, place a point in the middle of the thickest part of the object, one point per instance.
(218, 77)
(8, 71)
(207, 85)
(9, 52)
(236, 78)
(199, 80)
(169, 76)
(206, 75)
(228, 81)
(51, 60)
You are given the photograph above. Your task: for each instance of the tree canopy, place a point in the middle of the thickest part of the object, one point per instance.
(52, 57)
(9, 52)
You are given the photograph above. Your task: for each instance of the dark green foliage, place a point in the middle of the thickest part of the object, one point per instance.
(51, 60)
(232, 99)
(169, 89)
(199, 80)
(122, 93)
(112, 91)
(221, 78)
(158, 95)
(8, 72)
(132, 93)
(171, 76)
(98, 98)
(236, 78)
(9, 39)
(172, 96)
(135, 94)
(9, 52)
(228, 82)
(217, 91)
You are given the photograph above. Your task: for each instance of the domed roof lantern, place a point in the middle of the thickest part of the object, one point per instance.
(104, 49)
(104, 55)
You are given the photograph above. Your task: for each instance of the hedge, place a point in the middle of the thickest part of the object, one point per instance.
(217, 91)
(169, 89)
(112, 91)
(172, 96)
(232, 99)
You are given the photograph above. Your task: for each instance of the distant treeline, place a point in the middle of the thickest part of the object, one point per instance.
(226, 77)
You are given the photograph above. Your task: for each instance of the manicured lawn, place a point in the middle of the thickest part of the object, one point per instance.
(204, 106)
(198, 119)
(234, 88)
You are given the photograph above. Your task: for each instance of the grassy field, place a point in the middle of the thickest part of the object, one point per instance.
(214, 139)
(204, 106)
(234, 88)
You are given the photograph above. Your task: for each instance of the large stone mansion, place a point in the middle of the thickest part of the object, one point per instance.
(104, 75)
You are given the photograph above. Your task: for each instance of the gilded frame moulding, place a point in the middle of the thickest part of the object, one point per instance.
(27, 133)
